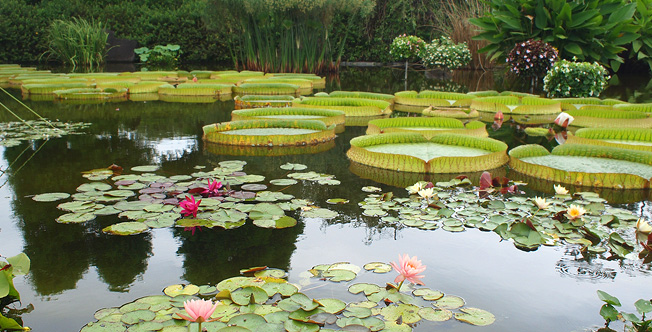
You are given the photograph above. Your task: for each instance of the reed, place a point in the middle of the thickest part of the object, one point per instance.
(453, 18)
(78, 42)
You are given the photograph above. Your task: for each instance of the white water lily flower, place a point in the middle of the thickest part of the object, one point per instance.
(541, 202)
(427, 193)
(414, 189)
(642, 226)
(564, 119)
(560, 190)
(575, 211)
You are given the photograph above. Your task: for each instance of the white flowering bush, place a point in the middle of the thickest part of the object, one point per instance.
(406, 47)
(444, 53)
(575, 79)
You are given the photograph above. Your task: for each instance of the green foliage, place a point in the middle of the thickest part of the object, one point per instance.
(575, 79)
(78, 42)
(444, 53)
(10, 268)
(642, 46)
(406, 47)
(160, 56)
(593, 30)
(610, 313)
(285, 36)
(532, 58)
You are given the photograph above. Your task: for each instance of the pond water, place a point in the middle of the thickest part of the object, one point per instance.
(77, 269)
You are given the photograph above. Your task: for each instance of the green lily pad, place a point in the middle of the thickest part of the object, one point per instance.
(138, 316)
(371, 189)
(272, 196)
(145, 168)
(252, 322)
(378, 267)
(249, 294)
(435, 315)
(50, 197)
(104, 327)
(355, 324)
(295, 326)
(304, 301)
(293, 167)
(126, 228)
(283, 182)
(76, 206)
(337, 275)
(75, 218)
(360, 312)
(337, 201)
(408, 313)
(428, 294)
(146, 327)
(176, 290)
(332, 306)
(285, 289)
(475, 316)
(282, 222)
(449, 302)
(364, 287)
(94, 186)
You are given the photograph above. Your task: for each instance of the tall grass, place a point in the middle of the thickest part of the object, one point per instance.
(77, 42)
(453, 20)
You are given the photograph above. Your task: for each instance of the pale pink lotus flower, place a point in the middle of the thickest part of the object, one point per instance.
(408, 269)
(200, 311)
(189, 206)
(564, 119)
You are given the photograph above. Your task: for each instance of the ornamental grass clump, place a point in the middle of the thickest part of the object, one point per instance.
(78, 42)
(575, 79)
(532, 58)
(446, 54)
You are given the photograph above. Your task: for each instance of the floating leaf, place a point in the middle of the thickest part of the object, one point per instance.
(176, 290)
(126, 228)
(253, 187)
(435, 315)
(50, 197)
(371, 189)
(145, 168)
(75, 217)
(408, 313)
(282, 222)
(337, 201)
(475, 316)
(293, 167)
(319, 213)
(378, 267)
(283, 182)
(332, 306)
(428, 294)
(249, 294)
(449, 302)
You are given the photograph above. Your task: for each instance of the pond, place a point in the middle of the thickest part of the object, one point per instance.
(77, 269)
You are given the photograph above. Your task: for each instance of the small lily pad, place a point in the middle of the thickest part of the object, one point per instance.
(337, 201)
(176, 290)
(319, 213)
(126, 228)
(50, 197)
(428, 294)
(75, 217)
(293, 167)
(449, 302)
(435, 315)
(378, 267)
(475, 316)
(283, 182)
(371, 189)
(282, 222)
(145, 168)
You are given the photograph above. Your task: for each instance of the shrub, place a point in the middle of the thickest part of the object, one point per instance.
(591, 30)
(444, 53)
(160, 56)
(532, 58)
(406, 47)
(575, 79)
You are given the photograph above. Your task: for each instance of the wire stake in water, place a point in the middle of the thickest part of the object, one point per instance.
(27, 107)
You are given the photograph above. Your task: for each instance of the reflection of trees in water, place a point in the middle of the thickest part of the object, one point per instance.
(120, 259)
(212, 255)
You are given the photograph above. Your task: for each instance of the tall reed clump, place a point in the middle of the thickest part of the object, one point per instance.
(453, 18)
(77, 42)
(286, 36)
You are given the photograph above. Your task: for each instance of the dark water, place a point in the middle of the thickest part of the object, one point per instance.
(76, 269)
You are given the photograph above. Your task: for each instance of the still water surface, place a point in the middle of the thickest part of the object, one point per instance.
(76, 269)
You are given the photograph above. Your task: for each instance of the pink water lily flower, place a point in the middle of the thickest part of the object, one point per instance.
(200, 311)
(408, 269)
(189, 206)
(213, 188)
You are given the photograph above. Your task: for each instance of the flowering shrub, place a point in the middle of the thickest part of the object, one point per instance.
(532, 58)
(406, 47)
(444, 53)
(575, 79)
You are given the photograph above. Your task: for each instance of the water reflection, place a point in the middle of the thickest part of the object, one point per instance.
(583, 266)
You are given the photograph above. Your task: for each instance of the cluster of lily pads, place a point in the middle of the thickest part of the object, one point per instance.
(12, 133)
(149, 200)
(582, 218)
(263, 300)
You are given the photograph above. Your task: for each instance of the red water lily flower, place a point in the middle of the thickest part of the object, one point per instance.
(189, 206)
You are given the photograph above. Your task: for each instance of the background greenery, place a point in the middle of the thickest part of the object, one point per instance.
(25, 22)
